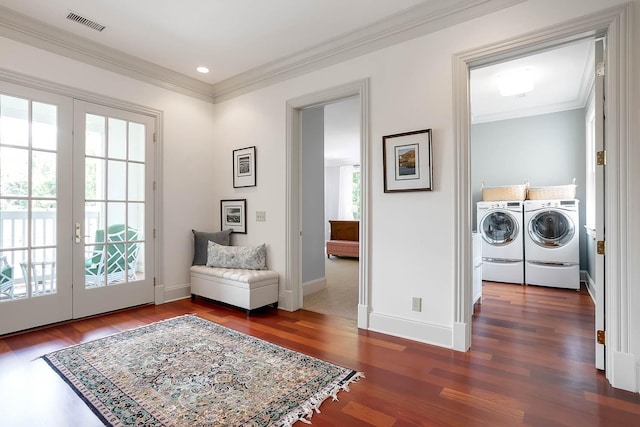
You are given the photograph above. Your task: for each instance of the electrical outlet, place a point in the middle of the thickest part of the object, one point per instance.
(416, 304)
(261, 216)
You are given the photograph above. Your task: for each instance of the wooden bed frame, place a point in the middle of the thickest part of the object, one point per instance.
(345, 239)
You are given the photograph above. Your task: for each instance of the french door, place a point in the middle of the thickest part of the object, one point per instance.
(112, 210)
(35, 207)
(64, 194)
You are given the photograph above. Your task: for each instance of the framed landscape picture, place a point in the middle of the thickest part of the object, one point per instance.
(233, 215)
(244, 167)
(407, 161)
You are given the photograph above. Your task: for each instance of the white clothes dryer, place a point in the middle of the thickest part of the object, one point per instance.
(552, 243)
(501, 227)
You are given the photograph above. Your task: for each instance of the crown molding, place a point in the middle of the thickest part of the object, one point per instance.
(21, 28)
(406, 25)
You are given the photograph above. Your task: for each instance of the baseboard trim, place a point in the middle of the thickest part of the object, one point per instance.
(285, 300)
(625, 372)
(427, 333)
(313, 286)
(461, 336)
(363, 316)
(591, 285)
(176, 292)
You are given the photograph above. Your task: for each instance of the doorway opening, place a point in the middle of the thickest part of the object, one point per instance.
(331, 207)
(293, 293)
(612, 24)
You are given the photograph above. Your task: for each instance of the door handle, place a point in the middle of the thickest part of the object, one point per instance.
(78, 235)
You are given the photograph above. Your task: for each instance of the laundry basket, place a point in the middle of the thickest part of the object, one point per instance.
(553, 192)
(504, 192)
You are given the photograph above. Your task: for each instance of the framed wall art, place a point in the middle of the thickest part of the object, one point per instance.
(244, 167)
(406, 161)
(233, 215)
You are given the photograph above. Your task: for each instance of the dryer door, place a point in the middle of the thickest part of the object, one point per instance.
(499, 228)
(551, 228)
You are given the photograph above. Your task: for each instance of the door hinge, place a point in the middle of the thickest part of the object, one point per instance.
(155, 137)
(154, 281)
(154, 186)
(600, 69)
(601, 158)
(600, 337)
(600, 247)
(154, 233)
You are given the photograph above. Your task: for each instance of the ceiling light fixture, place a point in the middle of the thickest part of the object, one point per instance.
(515, 82)
(203, 70)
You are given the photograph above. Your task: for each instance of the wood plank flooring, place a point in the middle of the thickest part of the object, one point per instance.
(532, 363)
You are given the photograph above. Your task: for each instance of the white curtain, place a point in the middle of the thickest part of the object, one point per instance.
(345, 193)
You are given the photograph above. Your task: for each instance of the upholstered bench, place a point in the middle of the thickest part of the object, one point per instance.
(248, 289)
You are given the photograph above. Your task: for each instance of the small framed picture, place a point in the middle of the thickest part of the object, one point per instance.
(407, 161)
(244, 167)
(233, 215)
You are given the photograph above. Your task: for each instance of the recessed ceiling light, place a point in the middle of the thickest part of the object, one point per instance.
(203, 70)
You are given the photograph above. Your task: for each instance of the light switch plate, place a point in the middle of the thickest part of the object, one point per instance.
(261, 216)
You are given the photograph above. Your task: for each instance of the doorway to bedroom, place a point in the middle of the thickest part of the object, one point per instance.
(330, 160)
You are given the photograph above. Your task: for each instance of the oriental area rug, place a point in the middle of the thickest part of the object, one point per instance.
(188, 371)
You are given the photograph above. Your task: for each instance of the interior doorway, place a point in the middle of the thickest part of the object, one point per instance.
(293, 293)
(331, 207)
(612, 24)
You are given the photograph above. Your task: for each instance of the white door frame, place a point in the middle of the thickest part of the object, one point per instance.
(291, 295)
(615, 23)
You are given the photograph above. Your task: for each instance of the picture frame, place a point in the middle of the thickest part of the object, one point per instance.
(244, 167)
(233, 215)
(407, 161)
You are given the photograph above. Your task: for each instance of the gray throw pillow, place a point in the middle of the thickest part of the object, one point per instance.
(243, 257)
(201, 240)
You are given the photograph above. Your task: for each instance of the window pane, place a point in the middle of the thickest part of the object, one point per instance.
(136, 142)
(43, 224)
(117, 139)
(136, 218)
(14, 121)
(42, 271)
(11, 276)
(136, 182)
(44, 130)
(94, 222)
(94, 174)
(13, 220)
(116, 214)
(117, 182)
(44, 174)
(14, 171)
(95, 135)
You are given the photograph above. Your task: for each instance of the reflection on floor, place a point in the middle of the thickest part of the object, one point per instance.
(340, 297)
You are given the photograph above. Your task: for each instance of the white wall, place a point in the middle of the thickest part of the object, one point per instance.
(410, 89)
(187, 147)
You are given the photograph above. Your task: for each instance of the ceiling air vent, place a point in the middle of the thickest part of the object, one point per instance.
(86, 22)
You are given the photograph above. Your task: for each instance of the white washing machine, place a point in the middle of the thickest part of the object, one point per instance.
(552, 243)
(501, 227)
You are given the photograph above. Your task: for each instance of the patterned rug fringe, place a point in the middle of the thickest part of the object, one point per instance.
(313, 404)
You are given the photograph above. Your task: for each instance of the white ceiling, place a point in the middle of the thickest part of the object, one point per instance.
(562, 80)
(228, 36)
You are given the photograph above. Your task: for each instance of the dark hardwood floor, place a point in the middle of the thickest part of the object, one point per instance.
(532, 363)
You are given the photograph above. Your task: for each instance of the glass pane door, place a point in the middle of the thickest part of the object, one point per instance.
(114, 226)
(35, 208)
